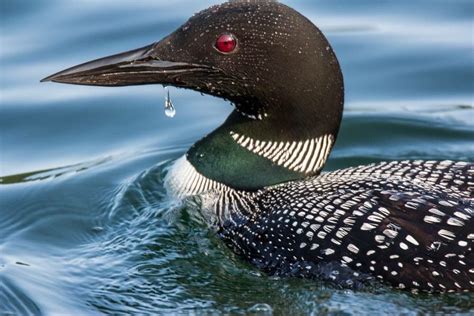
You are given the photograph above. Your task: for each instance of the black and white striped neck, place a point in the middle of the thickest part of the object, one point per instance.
(247, 154)
(304, 156)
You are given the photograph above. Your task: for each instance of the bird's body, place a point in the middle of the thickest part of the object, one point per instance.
(406, 223)
(409, 224)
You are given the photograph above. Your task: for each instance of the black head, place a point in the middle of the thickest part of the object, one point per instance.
(271, 62)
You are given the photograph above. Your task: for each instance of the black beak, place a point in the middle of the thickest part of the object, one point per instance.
(136, 67)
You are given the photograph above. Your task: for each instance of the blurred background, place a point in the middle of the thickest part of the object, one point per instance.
(85, 225)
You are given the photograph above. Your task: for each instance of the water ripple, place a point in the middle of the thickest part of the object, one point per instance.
(86, 226)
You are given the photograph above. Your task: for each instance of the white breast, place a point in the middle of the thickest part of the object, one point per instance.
(184, 180)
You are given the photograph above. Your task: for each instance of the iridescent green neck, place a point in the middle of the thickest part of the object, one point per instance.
(248, 154)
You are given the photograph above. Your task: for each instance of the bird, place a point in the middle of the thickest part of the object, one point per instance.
(403, 224)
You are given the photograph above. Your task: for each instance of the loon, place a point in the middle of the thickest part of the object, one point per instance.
(408, 224)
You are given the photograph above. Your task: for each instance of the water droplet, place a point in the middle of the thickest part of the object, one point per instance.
(97, 229)
(170, 111)
(261, 309)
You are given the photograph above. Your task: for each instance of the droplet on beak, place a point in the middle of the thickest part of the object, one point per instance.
(170, 111)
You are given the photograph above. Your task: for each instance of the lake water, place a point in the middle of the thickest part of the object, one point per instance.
(85, 224)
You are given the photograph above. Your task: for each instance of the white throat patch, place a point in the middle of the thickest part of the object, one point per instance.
(301, 156)
(184, 180)
(219, 200)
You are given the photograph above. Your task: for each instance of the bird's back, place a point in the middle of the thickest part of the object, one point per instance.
(406, 223)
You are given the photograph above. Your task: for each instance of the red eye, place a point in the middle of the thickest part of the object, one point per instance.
(226, 43)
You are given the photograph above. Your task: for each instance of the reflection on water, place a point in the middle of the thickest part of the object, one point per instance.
(51, 173)
(85, 224)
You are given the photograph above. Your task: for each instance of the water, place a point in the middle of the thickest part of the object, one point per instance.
(85, 224)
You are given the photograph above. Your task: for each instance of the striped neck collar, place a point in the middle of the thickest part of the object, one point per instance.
(306, 156)
(248, 155)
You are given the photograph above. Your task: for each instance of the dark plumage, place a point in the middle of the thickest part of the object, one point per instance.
(409, 224)
(406, 223)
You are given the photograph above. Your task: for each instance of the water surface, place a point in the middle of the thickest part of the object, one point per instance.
(85, 224)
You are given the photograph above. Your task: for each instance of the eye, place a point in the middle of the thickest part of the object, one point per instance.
(226, 43)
